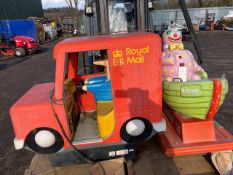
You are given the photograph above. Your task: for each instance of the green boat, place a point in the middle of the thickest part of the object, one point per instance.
(193, 98)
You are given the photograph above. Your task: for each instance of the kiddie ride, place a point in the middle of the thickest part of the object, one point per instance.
(127, 98)
(18, 45)
(192, 101)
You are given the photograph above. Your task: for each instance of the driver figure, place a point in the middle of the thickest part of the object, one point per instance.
(100, 86)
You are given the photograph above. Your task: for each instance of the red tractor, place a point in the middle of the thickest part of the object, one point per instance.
(18, 46)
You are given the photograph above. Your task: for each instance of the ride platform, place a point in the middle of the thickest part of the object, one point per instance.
(186, 136)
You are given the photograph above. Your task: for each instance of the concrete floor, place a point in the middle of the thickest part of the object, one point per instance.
(217, 49)
(17, 75)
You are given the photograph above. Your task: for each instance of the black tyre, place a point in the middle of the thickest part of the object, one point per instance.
(44, 141)
(142, 134)
(30, 52)
(20, 52)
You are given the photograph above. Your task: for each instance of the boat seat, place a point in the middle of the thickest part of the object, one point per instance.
(105, 118)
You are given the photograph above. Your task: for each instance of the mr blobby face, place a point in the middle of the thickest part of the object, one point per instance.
(172, 36)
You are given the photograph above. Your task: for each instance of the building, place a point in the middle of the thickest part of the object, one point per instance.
(20, 9)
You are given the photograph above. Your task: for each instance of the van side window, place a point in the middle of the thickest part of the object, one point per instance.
(86, 59)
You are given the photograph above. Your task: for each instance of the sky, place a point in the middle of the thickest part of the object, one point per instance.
(53, 3)
(59, 3)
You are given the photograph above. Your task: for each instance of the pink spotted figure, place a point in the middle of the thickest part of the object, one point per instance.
(177, 62)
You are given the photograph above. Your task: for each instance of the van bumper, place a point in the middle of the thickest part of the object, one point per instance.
(18, 143)
(160, 126)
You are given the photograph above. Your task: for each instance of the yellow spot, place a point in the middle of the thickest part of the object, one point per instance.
(189, 64)
(165, 70)
(186, 55)
(169, 79)
(169, 60)
(172, 70)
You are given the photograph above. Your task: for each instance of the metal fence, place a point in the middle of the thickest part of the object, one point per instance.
(159, 18)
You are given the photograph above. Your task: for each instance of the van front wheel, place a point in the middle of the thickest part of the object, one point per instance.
(136, 130)
(44, 141)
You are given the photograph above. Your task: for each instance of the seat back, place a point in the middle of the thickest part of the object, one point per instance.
(70, 89)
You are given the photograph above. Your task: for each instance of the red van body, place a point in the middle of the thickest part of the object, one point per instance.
(135, 69)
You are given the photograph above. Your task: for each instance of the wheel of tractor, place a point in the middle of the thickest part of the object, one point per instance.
(44, 141)
(20, 52)
(30, 52)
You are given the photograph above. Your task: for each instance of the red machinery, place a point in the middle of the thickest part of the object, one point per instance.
(18, 46)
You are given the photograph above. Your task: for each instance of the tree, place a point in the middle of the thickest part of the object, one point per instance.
(200, 3)
(71, 7)
(228, 2)
(69, 3)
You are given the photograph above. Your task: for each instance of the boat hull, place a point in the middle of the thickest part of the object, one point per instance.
(193, 98)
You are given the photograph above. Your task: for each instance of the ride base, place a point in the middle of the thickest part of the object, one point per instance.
(186, 136)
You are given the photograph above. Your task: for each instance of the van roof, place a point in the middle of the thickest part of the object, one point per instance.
(99, 42)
